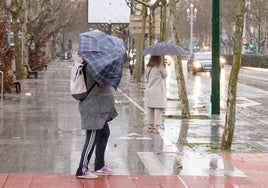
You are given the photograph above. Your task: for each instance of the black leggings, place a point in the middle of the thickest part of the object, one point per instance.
(98, 138)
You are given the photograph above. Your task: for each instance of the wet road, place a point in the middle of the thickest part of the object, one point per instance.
(40, 127)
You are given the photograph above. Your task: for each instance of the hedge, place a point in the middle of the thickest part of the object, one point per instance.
(250, 60)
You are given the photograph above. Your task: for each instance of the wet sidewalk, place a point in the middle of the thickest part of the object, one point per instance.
(41, 141)
(253, 166)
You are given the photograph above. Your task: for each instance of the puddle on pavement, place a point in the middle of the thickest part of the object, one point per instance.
(214, 148)
(199, 117)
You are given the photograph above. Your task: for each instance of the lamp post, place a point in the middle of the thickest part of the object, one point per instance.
(191, 14)
(244, 27)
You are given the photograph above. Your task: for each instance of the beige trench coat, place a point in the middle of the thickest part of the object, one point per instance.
(155, 92)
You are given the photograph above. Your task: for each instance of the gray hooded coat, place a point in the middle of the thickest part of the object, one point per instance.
(98, 107)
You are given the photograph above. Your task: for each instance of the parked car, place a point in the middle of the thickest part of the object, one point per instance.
(202, 62)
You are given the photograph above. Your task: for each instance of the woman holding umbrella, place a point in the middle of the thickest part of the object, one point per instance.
(104, 56)
(155, 92)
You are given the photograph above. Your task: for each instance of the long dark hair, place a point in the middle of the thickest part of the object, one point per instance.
(154, 61)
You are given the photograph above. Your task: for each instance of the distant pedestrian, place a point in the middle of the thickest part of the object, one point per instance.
(131, 68)
(155, 92)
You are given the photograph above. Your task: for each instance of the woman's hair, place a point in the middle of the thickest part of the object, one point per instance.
(154, 61)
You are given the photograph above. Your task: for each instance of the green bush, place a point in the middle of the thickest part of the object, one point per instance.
(250, 60)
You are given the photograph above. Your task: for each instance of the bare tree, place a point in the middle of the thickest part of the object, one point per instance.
(228, 133)
(138, 66)
(153, 7)
(47, 19)
(6, 56)
(15, 7)
(185, 110)
(163, 26)
(141, 38)
(179, 70)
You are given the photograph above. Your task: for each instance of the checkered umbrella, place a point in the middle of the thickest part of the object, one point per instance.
(104, 54)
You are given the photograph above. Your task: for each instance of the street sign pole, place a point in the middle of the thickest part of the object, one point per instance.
(215, 87)
(109, 30)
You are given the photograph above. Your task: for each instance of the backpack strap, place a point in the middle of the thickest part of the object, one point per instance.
(88, 91)
(85, 77)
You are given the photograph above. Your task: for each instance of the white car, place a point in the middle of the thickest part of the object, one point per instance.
(202, 62)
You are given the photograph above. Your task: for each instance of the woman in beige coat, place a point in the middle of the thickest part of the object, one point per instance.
(155, 92)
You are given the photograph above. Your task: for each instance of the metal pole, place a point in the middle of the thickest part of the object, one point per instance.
(109, 31)
(191, 34)
(215, 96)
(244, 34)
(244, 27)
(259, 32)
(191, 13)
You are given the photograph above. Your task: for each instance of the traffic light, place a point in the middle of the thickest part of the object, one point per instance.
(252, 47)
(195, 47)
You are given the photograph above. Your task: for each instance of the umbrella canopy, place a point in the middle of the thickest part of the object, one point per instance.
(163, 48)
(105, 55)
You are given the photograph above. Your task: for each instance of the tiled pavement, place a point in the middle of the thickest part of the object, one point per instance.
(253, 165)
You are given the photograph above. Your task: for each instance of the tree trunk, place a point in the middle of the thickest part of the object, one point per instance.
(15, 8)
(163, 21)
(228, 133)
(19, 70)
(185, 111)
(24, 44)
(24, 48)
(24, 39)
(139, 58)
(152, 26)
(152, 21)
